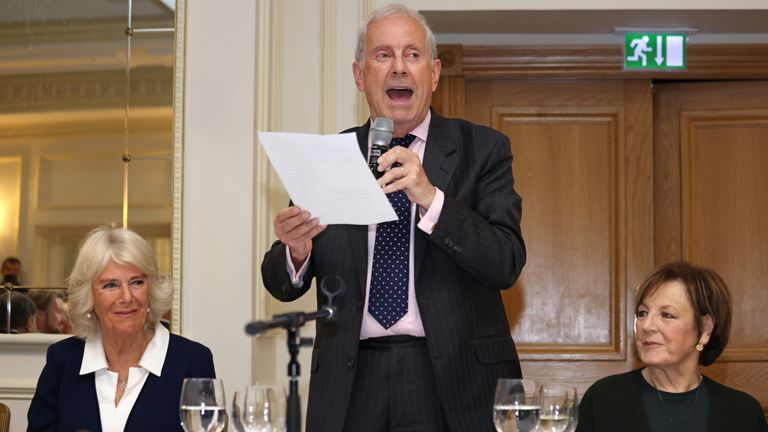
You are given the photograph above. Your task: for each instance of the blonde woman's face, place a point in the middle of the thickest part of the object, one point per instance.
(120, 299)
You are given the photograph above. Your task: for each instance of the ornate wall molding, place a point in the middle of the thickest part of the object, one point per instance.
(328, 57)
(17, 388)
(178, 162)
(152, 86)
(704, 61)
(269, 108)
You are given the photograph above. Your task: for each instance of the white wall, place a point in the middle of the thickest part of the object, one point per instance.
(217, 251)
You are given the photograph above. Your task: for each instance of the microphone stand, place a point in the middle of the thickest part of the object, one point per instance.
(292, 322)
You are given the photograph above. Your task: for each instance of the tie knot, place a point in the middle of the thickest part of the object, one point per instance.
(404, 141)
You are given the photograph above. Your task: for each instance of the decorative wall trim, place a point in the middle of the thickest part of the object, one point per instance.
(178, 162)
(744, 354)
(366, 7)
(22, 389)
(704, 61)
(150, 86)
(328, 58)
(14, 342)
(269, 108)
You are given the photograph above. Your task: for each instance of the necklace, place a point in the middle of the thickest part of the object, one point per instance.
(123, 384)
(664, 406)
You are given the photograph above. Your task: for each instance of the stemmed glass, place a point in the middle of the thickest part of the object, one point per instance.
(260, 408)
(516, 405)
(559, 408)
(202, 407)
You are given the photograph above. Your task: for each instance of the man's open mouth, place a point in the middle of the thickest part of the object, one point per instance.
(400, 93)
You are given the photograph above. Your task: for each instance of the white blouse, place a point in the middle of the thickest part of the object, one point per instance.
(114, 417)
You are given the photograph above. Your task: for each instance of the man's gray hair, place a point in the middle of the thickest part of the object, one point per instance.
(394, 9)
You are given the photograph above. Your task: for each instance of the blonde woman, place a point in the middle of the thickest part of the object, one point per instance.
(121, 370)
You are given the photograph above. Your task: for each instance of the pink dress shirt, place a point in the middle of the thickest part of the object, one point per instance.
(410, 324)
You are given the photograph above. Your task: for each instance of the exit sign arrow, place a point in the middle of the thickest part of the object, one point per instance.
(654, 51)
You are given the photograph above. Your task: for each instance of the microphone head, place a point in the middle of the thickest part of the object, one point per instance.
(383, 129)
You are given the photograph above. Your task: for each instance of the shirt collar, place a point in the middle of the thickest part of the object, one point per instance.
(422, 129)
(419, 131)
(152, 360)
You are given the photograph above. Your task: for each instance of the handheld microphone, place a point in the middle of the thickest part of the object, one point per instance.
(382, 130)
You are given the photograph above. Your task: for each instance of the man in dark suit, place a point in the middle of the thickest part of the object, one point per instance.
(421, 335)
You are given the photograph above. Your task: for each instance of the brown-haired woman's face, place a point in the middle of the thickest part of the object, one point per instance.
(665, 327)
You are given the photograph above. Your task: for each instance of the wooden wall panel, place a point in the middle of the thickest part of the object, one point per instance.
(724, 209)
(567, 174)
(572, 145)
(688, 183)
(712, 138)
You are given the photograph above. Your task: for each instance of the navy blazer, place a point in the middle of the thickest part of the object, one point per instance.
(66, 401)
(475, 251)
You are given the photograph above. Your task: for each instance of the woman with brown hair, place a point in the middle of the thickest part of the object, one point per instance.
(682, 321)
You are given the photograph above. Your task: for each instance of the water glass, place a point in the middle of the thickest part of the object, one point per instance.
(516, 405)
(260, 408)
(202, 407)
(559, 408)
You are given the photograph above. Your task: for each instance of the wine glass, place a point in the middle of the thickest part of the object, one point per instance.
(559, 407)
(261, 408)
(574, 421)
(202, 406)
(516, 405)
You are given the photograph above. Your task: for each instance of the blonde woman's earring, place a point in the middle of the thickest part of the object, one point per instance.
(699, 347)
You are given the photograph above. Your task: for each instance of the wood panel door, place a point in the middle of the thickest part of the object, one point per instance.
(617, 176)
(711, 206)
(583, 166)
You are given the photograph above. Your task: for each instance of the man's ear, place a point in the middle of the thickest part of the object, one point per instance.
(437, 66)
(357, 71)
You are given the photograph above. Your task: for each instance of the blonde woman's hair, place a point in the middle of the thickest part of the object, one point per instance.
(124, 247)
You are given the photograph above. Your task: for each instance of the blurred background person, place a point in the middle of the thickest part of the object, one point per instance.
(11, 271)
(682, 322)
(66, 324)
(121, 370)
(22, 313)
(51, 310)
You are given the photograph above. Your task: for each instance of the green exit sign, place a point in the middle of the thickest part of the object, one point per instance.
(654, 51)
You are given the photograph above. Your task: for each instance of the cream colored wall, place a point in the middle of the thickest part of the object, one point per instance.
(218, 197)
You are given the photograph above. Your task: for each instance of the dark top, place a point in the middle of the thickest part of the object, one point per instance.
(475, 251)
(676, 412)
(615, 403)
(66, 401)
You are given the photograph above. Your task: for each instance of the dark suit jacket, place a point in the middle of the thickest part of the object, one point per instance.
(615, 403)
(66, 401)
(475, 251)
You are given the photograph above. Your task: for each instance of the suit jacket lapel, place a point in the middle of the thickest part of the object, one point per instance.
(86, 393)
(358, 234)
(439, 164)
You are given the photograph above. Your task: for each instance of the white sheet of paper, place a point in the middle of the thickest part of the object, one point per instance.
(327, 175)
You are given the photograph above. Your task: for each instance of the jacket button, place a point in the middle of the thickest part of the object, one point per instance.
(351, 363)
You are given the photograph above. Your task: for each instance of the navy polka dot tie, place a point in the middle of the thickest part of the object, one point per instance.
(388, 300)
